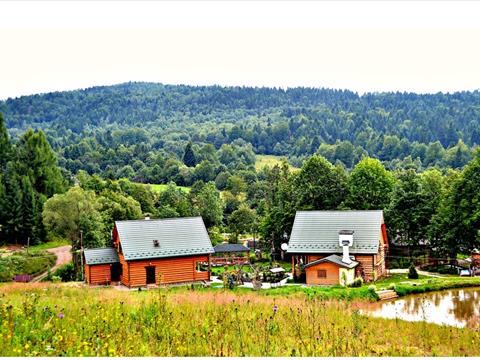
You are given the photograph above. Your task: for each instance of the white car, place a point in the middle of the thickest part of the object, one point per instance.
(465, 272)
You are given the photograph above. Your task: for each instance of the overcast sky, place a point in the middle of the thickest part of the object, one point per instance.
(363, 46)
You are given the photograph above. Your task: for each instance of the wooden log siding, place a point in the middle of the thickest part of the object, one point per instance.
(366, 261)
(124, 277)
(99, 274)
(168, 270)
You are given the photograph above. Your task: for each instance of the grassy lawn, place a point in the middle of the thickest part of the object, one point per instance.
(269, 161)
(64, 320)
(48, 245)
(162, 187)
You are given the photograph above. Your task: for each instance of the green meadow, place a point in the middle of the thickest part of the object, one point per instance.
(71, 320)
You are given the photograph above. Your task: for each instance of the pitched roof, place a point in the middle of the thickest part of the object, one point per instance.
(316, 232)
(101, 256)
(333, 259)
(175, 237)
(225, 248)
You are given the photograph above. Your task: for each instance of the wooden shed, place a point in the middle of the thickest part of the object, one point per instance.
(162, 251)
(102, 266)
(330, 270)
(315, 236)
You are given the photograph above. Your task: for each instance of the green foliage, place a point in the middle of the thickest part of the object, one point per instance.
(241, 221)
(21, 263)
(370, 186)
(357, 282)
(189, 158)
(208, 204)
(319, 185)
(66, 272)
(412, 272)
(66, 214)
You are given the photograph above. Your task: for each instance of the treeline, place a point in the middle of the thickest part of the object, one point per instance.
(125, 130)
(433, 207)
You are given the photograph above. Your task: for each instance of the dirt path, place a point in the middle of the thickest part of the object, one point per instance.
(63, 256)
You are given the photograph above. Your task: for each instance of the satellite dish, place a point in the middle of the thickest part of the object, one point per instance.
(284, 246)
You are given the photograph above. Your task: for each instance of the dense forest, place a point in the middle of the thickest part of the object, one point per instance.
(140, 130)
(74, 162)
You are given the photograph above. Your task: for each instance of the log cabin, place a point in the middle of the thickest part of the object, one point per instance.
(319, 238)
(161, 251)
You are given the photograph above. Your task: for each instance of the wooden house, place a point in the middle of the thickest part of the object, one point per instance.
(316, 245)
(161, 251)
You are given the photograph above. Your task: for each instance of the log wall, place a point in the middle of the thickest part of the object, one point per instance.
(167, 271)
(332, 274)
(98, 274)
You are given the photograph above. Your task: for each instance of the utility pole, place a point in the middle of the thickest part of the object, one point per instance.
(81, 252)
(28, 243)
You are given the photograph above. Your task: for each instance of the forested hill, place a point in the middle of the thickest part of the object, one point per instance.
(401, 129)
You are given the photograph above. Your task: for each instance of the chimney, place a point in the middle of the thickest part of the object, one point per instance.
(345, 240)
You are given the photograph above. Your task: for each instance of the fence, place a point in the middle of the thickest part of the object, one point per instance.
(241, 260)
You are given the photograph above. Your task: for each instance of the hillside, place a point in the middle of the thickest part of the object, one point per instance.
(401, 129)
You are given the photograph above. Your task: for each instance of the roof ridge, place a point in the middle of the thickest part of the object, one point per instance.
(160, 219)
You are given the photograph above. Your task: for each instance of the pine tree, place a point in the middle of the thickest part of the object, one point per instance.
(29, 217)
(189, 158)
(5, 145)
(13, 204)
(37, 160)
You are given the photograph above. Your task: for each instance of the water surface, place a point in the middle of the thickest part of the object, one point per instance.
(455, 307)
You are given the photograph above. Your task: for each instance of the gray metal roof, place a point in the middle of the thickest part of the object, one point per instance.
(333, 259)
(226, 248)
(316, 232)
(176, 237)
(101, 256)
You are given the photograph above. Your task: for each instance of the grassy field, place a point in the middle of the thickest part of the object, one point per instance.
(63, 320)
(269, 161)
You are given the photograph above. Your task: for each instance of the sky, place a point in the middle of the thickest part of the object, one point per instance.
(364, 46)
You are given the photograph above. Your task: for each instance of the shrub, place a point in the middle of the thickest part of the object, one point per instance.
(357, 282)
(412, 272)
(66, 272)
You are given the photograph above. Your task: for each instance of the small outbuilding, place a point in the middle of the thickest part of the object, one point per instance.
(227, 254)
(102, 266)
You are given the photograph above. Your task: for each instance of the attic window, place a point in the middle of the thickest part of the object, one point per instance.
(156, 243)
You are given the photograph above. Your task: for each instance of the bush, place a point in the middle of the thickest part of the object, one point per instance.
(412, 272)
(357, 282)
(66, 272)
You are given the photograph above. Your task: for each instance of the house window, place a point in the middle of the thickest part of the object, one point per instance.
(321, 274)
(200, 266)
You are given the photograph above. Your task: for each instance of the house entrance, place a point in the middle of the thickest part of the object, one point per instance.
(150, 274)
(115, 271)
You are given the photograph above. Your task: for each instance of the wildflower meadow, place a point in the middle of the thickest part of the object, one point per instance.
(61, 320)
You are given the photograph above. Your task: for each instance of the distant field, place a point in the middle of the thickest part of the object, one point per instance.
(268, 160)
(162, 187)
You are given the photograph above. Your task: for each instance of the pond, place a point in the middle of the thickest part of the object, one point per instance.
(455, 307)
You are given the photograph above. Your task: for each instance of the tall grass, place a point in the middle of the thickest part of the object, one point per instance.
(56, 320)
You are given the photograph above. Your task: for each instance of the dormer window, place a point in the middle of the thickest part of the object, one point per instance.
(156, 243)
